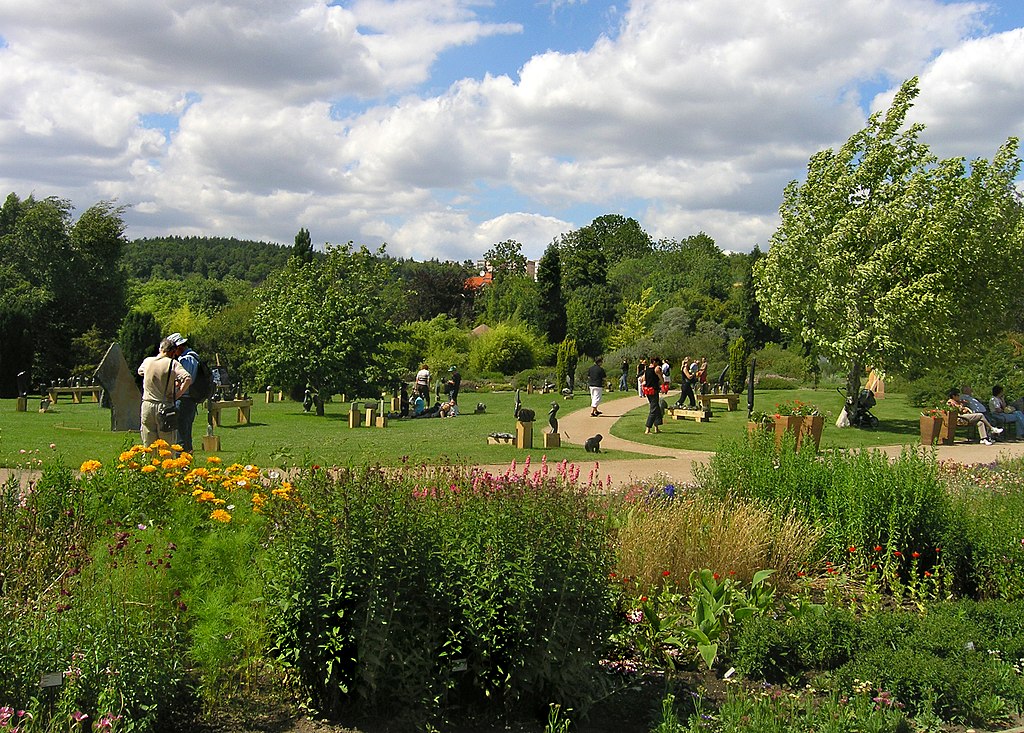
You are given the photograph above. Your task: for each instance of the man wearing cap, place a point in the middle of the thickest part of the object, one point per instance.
(451, 388)
(186, 404)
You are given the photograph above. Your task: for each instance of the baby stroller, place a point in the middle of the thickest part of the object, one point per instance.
(858, 411)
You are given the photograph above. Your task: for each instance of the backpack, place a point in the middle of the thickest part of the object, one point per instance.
(202, 383)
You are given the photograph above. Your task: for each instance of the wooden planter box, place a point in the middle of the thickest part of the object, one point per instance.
(931, 429)
(810, 430)
(787, 424)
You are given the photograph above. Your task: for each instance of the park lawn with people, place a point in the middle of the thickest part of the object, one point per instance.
(281, 434)
(898, 421)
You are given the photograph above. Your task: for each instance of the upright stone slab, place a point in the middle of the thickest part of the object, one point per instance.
(119, 383)
(354, 415)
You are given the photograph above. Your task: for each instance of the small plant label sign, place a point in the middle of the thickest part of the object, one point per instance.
(51, 679)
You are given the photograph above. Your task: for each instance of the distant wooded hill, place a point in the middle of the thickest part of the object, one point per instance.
(211, 257)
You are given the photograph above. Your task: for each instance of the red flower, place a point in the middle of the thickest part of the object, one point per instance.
(878, 548)
(927, 574)
(915, 554)
(666, 573)
(732, 572)
(851, 548)
(897, 553)
(716, 576)
(643, 599)
(800, 573)
(611, 575)
(938, 550)
(874, 566)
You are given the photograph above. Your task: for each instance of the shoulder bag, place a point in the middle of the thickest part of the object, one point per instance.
(167, 413)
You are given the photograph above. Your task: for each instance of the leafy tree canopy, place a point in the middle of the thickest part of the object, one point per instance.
(888, 257)
(326, 323)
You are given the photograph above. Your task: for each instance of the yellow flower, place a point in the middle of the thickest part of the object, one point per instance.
(126, 456)
(164, 453)
(258, 500)
(213, 459)
(160, 443)
(168, 464)
(220, 515)
(90, 466)
(205, 496)
(148, 469)
(155, 462)
(177, 448)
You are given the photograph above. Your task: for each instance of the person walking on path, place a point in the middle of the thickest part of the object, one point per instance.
(652, 391)
(625, 372)
(164, 380)
(186, 403)
(595, 380)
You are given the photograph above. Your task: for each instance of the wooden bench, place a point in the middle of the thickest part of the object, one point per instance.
(244, 407)
(732, 400)
(687, 413)
(75, 392)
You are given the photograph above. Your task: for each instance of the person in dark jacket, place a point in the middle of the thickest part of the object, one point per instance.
(652, 391)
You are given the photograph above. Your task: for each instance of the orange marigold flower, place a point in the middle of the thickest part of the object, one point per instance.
(160, 443)
(164, 453)
(213, 459)
(90, 466)
(148, 469)
(220, 515)
(176, 447)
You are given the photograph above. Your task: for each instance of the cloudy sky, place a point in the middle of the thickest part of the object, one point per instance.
(441, 127)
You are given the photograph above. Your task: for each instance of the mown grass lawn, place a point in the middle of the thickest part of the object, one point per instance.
(281, 434)
(898, 422)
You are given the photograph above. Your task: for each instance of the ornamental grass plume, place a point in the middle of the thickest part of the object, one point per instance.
(736, 537)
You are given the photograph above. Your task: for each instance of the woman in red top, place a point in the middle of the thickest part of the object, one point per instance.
(652, 390)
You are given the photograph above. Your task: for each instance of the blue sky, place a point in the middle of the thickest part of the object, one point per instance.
(439, 127)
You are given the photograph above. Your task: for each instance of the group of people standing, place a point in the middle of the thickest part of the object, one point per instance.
(166, 379)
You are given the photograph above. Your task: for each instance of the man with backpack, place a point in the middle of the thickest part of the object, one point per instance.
(187, 403)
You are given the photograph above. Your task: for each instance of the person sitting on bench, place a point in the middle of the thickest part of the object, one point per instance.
(968, 416)
(1004, 413)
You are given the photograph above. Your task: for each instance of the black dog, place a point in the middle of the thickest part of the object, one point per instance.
(593, 445)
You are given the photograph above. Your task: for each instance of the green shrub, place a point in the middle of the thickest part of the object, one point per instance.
(860, 499)
(739, 364)
(779, 651)
(779, 361)
(774, 381)
(422, 591)
(507, 348)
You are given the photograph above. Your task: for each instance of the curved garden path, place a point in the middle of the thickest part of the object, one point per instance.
(677, 465)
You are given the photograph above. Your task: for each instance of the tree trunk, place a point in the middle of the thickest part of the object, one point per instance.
(853, 379)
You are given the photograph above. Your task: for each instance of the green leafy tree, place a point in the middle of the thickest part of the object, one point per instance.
(327, 324)
(511, 298)
(506, 349)
(888, 257)
(588, 313)
(635, 324)
(302, 250)
(434, 288)
(566, 358)
(139, 337)
(739, 362)
(756, 332)
(549, 288)
(506, 258)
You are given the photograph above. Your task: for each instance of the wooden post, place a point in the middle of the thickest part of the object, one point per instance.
(211, 443)
(524, 434)
(552, 440)
(371, 416)
(354, 415)
(22, 404)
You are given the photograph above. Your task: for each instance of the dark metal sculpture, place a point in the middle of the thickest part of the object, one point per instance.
(552, 420)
